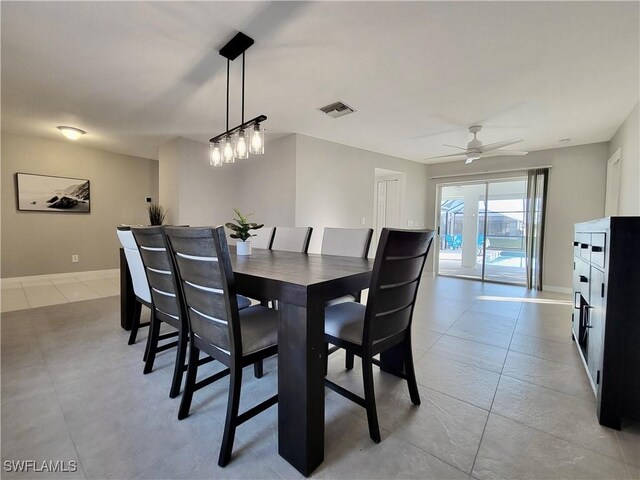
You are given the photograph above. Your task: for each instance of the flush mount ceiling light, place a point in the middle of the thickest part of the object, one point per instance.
(71, 133)
(243, 139)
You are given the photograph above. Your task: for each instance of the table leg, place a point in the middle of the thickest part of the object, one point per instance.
(301, 386)
(127, 296)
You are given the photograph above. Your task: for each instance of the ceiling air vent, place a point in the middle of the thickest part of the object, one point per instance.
(337, 109)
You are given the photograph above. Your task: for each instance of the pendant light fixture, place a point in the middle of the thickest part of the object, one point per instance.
(248, 137)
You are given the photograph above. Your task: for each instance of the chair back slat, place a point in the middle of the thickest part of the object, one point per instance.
(161, 280)
(203, 266)
(134, 262)
(210, 331)
(159, 272)
(209, 301)
(346, 242)
(395, 279)
(155, 258)
(203, 271)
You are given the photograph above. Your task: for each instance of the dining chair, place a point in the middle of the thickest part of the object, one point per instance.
(385, 321)
(165, 302)
(262, 237)
(236, 338)
(292, 239)
(138, 278)
(346, 242)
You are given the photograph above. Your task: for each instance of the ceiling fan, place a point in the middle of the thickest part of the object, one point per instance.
(476, 150)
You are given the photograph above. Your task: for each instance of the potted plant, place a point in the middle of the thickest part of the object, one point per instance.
(240, 230)
(156, 214)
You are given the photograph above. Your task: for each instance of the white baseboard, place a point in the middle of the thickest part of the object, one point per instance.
(93, 274)
(551, 288)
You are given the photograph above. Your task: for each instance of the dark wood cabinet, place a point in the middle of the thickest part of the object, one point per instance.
(606, 316)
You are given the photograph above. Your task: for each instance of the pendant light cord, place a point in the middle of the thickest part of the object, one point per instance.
(228, 95)
(242, 87)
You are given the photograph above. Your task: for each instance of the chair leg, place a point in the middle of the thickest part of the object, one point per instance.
(178, 368)
(370, 398)
(152, 344)
(190, 384)
(147, 347)
(258, 369)
(233, 405)
(348, 363)
(411, 374)
(136, 323)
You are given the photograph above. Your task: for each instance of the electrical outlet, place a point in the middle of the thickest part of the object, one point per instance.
(363, 221)
(411, 223)
(74, 259)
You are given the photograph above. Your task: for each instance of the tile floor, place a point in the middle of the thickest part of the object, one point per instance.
(503, 396)
(33, 292)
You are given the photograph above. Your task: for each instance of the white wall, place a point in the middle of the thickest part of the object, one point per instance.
(335, 186)
(576, 194)
(197, 194)
(40, 243)
(626, 138)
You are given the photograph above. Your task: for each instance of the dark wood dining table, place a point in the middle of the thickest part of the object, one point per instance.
(302, 284)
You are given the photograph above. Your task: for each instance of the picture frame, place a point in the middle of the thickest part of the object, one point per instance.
(51, 194)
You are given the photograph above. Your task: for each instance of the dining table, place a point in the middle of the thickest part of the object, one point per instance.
(302, 284)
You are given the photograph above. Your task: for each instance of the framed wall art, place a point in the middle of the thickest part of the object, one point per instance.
(44, 193)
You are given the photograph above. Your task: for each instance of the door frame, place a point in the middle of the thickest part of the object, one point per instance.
(438, 206)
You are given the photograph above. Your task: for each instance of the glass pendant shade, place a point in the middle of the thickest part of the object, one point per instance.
(215, 158)
(227, 150)
(257, 140)
(242, 147)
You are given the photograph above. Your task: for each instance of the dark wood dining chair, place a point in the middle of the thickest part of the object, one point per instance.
(385, 322)
(165, 302)
(138, 279)
(236, 338)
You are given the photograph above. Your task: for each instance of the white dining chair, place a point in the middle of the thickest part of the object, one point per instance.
(138, 278)
(262, 237)
(292, 239)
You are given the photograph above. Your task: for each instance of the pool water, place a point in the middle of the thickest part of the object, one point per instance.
(509, 259)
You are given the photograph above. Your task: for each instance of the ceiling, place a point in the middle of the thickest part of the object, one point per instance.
(136, 74)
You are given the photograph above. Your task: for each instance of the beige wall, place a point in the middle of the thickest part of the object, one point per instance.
(299, 181)
(35, 243)
(626, 138)
(576, 194)
(335, 186)
(197, 194)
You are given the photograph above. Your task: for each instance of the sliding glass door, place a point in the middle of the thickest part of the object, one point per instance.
(482, 231)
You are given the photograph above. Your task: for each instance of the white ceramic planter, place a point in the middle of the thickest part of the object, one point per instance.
(243, 248)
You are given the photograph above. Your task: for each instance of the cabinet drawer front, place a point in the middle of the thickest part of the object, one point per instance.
(598, 248)
(585, 246)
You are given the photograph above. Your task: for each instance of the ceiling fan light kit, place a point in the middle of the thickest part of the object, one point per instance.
(476, 150)
(248, 137)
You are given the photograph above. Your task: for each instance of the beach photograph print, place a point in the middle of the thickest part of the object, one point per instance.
(44, 193)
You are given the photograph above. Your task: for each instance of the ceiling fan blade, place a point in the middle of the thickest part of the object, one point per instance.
(469, 160)
(454, 156)
(494, 146)
(453, 146)
(504, 153)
